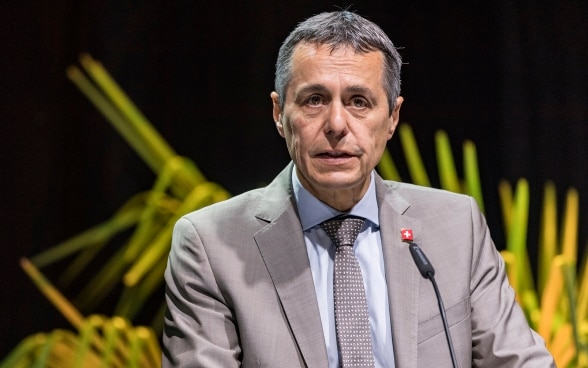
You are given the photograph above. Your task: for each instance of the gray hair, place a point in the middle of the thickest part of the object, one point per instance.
(336, 29)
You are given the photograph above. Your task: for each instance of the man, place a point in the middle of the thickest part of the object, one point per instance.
(250, 280)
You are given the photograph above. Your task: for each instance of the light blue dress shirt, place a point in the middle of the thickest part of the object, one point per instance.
(368, 250)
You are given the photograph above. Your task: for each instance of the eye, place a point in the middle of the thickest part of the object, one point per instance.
(315, 100)
(359, 102)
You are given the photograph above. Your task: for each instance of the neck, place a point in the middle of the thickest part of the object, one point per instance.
(341, 199)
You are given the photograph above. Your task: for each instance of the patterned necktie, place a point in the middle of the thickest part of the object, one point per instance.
(351, 313)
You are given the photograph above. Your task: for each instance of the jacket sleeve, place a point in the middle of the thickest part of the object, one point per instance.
(501, 336)
(199, 328)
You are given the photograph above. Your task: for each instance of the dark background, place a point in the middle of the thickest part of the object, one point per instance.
(511, 77)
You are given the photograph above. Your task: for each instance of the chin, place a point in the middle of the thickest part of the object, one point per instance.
(338, 181)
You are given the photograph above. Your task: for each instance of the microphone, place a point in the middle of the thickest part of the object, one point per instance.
(427, 271)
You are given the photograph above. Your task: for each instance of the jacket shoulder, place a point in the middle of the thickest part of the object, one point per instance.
(420, 197)
(236, 206)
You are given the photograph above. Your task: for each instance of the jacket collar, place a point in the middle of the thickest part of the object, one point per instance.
(281, 244)
(402, 276)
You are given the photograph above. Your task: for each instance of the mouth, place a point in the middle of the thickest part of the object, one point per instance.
(334, 155)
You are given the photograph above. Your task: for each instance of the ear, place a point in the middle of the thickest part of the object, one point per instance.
(395, 116)
(277, 112)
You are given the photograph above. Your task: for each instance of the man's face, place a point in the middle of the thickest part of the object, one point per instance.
(335, 120)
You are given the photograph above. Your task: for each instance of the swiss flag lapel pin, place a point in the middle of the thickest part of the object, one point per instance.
(406, 235)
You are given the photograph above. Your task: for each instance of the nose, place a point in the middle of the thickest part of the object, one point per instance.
(336, 120)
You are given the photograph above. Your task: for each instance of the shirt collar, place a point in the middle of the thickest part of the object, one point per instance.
(312, 211)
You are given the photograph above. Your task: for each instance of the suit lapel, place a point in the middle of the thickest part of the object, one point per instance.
(402, 276)
(281, 244)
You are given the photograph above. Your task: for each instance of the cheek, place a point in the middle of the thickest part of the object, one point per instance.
(378, 139)
(291, 138)
(384, 131)
(296, 137)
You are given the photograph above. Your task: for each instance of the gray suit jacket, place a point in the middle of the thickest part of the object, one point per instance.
(239, 288)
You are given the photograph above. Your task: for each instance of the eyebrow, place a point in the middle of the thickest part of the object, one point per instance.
(313, 88)
(363, 91)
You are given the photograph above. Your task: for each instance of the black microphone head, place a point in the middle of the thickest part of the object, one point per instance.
(421, 261)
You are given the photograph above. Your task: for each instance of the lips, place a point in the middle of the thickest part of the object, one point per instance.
(335, 158)
(334, 154)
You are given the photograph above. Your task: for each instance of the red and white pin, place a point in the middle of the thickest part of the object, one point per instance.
(407, 235)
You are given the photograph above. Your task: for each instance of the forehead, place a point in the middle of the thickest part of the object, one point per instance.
(320, 63)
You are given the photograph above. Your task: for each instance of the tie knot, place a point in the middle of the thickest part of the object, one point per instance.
(343, 230)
